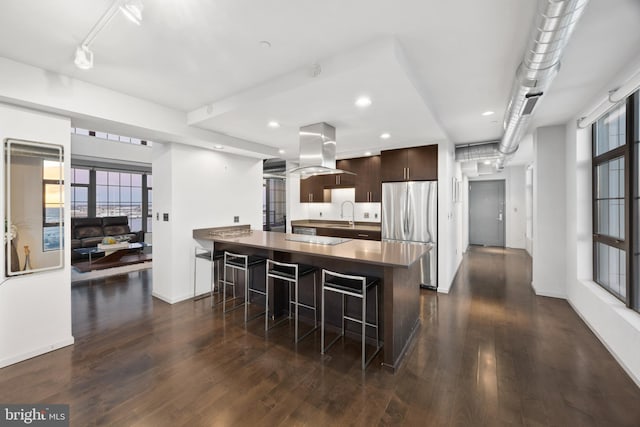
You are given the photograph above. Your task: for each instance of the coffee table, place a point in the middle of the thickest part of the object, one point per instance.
(112, 259)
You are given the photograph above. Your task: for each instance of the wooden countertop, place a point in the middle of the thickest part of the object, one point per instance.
(340, 225)
(392, 254)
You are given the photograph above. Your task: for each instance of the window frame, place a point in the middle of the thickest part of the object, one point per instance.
(79, 185)
(93, 185)
(626, 244)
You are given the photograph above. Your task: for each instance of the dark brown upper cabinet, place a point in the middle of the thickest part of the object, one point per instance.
(341, 180)
(313, 190)
(410, 164)
(367, 183)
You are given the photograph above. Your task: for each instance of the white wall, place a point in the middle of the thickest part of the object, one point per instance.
(35, 309)
(615, 325)
(449, 217)
(528, 202)
(98, 108)
(90, 147)
(549, 219)
(515, 207)
(464, 206)
(295, 209)
(197, 188)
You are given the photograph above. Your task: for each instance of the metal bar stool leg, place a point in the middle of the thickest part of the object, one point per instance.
(266, 304)
(322, 316)
(364, 329)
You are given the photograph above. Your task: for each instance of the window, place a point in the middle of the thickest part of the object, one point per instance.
(111, 137)
(615, 180)
(80, 180)
(97, 193)
(53, 204)
(149, 202)
(634, 298)
(120, 193)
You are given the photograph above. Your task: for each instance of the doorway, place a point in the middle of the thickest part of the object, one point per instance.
(487, 213)
(274, 204)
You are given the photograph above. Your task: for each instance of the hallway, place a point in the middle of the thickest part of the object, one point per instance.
(489, 353)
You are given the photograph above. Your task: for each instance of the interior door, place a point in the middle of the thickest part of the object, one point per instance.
(486, 213)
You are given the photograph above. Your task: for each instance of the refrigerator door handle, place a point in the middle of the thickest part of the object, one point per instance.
(407, 212)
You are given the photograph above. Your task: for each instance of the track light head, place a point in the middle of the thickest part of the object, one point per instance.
(132, 9)
(84, 58)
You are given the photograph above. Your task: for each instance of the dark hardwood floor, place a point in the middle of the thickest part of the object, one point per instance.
(489, 353)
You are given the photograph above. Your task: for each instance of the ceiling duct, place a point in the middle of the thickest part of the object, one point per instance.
(555, 21)
(477, 152)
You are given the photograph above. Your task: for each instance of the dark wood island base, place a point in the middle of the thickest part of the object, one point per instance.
(394, 263)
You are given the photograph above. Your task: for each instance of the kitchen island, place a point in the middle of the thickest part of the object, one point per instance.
(394, 263)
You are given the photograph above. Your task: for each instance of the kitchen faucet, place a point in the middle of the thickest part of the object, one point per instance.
(353, 209)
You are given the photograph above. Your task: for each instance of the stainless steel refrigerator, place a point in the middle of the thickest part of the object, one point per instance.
(410, 214)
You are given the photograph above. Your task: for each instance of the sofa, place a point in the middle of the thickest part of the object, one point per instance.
(88, 232)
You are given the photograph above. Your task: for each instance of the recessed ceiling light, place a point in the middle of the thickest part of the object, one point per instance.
(367, 153)
(363, 102)
(385, 135)
(281, 151)
(218, 147)
(488, 113)
(273, 124)
(265, 43)
(487, 162)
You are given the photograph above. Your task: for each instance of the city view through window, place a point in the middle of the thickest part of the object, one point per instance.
(116, 193)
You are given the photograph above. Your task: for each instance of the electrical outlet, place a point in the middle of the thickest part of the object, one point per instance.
(366, 214)
(157, 216)
(165, 217)
(320, 214)
(236, 219)
(375, 215)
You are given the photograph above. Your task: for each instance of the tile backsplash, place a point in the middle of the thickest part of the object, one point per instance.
(331, 211)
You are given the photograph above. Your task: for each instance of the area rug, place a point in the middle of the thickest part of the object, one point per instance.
(77, 276)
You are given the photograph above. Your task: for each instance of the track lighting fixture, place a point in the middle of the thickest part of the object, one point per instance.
(132, 9)
(84, 58)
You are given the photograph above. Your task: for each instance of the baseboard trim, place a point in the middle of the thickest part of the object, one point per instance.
(36, 352)
(172, 300)
(629, 372)
(548, 294)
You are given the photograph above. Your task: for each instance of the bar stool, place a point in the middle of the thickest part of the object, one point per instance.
(212, 256)
(292, 274)
(244, 263)
(357, 287)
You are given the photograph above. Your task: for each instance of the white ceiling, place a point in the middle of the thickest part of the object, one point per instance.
(457, 59)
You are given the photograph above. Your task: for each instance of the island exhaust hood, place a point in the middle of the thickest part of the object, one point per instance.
(317, 151)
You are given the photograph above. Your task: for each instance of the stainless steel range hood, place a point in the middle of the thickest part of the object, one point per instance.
(317, 151)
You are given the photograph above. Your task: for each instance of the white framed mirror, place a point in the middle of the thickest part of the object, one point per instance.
(34, 206)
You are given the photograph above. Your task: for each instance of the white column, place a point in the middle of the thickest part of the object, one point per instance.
(549, 212)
